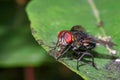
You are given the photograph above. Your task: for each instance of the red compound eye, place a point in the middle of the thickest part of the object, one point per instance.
(66, 36)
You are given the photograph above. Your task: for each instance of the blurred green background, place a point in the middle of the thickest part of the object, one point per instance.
(21, 58)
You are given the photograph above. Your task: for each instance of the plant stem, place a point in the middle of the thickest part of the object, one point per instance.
(95, 11)
(29, 73)
(97, 16)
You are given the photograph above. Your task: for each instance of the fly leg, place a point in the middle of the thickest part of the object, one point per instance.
(56, 45)
(64, 51)
(83, 54)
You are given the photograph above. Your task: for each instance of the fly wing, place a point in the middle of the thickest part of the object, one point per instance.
(78, 28)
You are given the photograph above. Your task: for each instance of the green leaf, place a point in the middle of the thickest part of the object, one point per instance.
(48, 17)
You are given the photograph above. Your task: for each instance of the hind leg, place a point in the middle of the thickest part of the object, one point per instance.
(83, 54)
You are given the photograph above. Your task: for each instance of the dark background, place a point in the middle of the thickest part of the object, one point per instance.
(15, 34)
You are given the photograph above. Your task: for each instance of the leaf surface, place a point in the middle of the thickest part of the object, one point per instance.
(48, 17)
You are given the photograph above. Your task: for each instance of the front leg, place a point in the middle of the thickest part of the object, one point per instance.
(63, 51)
(56, 45)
